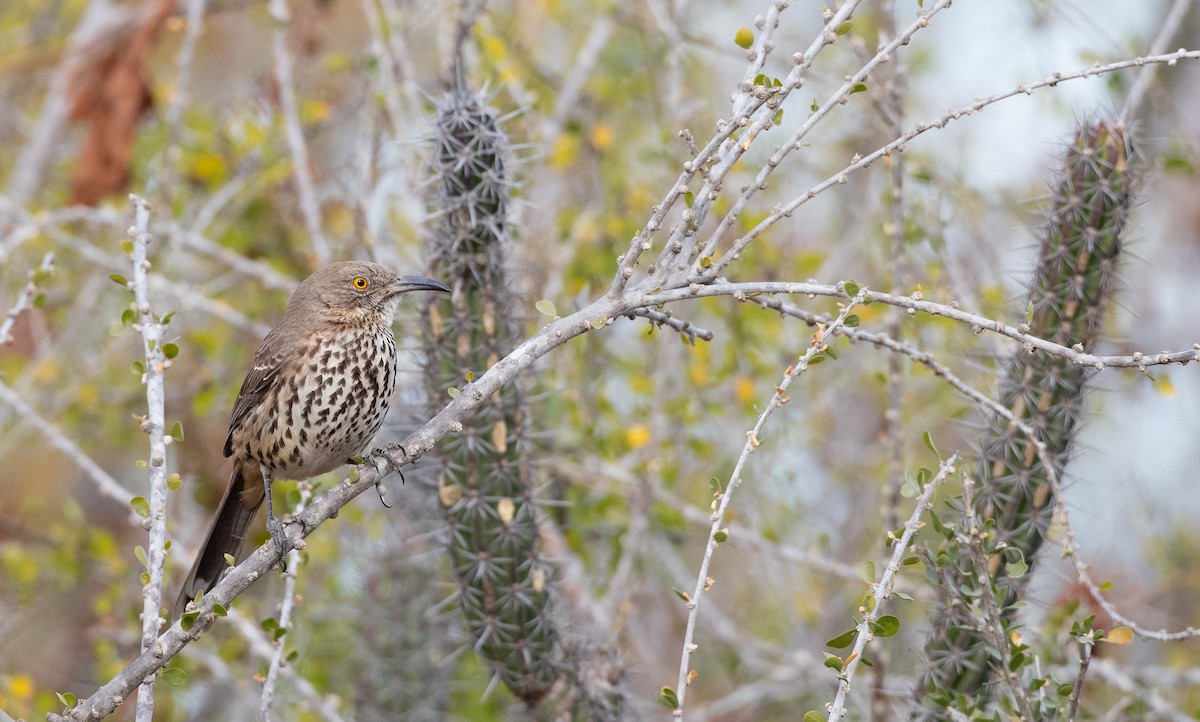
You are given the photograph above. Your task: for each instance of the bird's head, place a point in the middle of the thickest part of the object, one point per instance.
(355, 292)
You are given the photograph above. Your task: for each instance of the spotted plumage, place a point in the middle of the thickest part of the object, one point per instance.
(315, 395)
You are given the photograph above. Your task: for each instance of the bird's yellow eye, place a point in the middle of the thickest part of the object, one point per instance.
(360, 283)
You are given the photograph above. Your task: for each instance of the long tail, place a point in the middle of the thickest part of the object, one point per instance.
(227, 534)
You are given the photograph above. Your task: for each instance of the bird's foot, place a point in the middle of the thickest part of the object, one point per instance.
(384, 463)
(276, 528)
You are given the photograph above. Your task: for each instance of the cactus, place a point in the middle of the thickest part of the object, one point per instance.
(1069, 295)
(483, 471)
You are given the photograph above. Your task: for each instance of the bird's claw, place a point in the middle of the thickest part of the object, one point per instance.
(277, 529)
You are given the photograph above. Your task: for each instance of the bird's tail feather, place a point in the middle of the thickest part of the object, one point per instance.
(226, 535)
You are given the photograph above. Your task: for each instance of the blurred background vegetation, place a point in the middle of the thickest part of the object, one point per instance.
(627, 426)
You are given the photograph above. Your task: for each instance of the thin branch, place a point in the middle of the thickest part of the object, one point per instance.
(726, 156)
(915, 303)
(722, 499)
(1085, 659)
(796, 140)
(181, 96)
(108, 487)
(290, 111)
(151, 330)
(1141, 84)
(664, 318)
(265, 649)
(882, 590)
(305, 489)
(898, 145)
(991, 626)
(25, 298)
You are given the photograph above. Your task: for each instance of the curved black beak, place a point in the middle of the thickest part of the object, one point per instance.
(405, 284)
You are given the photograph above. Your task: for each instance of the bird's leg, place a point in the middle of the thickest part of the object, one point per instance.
(274, 526)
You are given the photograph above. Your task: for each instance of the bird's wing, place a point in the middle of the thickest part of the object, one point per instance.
(264, 373)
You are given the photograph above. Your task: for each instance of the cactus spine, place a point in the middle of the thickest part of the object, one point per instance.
(1068, 298)
(483, 472)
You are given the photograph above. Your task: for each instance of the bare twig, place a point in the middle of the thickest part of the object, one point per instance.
(664, 318)
(151, 328)
(914, 303)
(723, 497)
(795, 142)
(290, 111)
(702, 273)
(1141, 84)
(181, 96)
(305, 490)
(25, 298)
(108, 487)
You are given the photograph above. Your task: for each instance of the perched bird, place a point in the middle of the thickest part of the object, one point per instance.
(315, 395)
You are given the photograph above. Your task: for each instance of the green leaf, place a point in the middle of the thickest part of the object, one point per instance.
(118, 279)
(843, 640)
(706, 261)
(187, 620)
(546, 308)
(851, 288)
(928, 439)
(140, 553)
(453, 392)
(720, 536)
(220, 610)
(174, 482)
(128, 317)
(833, 661)
(177, 431)
(174, 676)
(39, 301)
(667, 698)
(67, 699)
(170, 350)
(813, 716)
(230, 560)
(269, 623)
(844, 27)
(688, 198)
(813, 106)
(744, 38)
(138, 368)
(868, 572)
(141, 506)
(682, 594)
(777, 119)
(293, 656)
(885, 626)
(851, 321)
(858, 88)
(126, 245)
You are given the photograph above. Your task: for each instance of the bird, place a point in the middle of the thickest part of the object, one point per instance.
(315, 395)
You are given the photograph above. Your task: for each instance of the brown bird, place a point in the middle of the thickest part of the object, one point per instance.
(315, 395)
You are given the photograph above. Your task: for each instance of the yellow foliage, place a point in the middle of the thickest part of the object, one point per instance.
(744, 389)
(565, 151)
(637, 436)
(47, 370)
(208, 167)
(602, 136)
